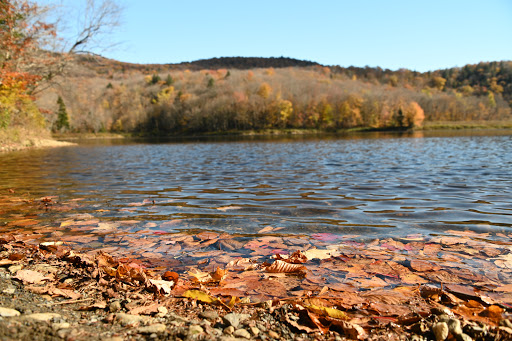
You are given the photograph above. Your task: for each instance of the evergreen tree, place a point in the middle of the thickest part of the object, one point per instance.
(62, 122)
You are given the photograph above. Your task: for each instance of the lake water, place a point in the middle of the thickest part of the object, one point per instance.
(368, 185)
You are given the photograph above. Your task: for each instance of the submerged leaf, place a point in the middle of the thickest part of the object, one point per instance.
(284, 267)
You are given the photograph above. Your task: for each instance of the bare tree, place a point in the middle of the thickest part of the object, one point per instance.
(98, 20)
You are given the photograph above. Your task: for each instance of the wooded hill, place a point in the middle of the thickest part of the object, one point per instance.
(226, 94)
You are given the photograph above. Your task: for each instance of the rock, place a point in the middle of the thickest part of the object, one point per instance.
(454, 327)
(504, 323)
(130, 320)
(194, 330)
(234, 319)
(61, 325)
(440, 330)
(114, 338)
(229, 330)
(154, 328)
(162, 311)
(15, 268)
(175, 317)
(8, 312)
(273, 334)
(114, 307)
(242, 333)
(9, 291)
(464, 337)
(255, 331)
(209, 315)
(42, 317)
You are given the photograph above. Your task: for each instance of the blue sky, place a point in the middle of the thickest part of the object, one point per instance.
(418, 35)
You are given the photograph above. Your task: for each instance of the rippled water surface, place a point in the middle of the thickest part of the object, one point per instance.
(365, 185)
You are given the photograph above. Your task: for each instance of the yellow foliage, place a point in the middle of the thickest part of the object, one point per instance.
(166, 95)
(270, 71)
(285, 110)
(264, 90)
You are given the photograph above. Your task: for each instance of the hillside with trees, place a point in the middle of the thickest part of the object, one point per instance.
(191, 98)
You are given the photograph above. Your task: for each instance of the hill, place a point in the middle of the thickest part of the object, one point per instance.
(238, 93)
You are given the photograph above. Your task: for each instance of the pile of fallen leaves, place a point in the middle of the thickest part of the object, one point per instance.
(456, 286)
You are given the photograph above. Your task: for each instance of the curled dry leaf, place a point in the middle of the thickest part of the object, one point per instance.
(284, 267)
(295, 258)
(160, 286)
(208, 277)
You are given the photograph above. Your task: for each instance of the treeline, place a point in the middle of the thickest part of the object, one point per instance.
(328, 98)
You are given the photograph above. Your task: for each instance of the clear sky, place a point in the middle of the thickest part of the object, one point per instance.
(420, 35)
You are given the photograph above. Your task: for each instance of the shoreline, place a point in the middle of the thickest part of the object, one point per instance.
(458, 285)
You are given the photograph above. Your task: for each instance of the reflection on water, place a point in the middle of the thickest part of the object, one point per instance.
(379, 184)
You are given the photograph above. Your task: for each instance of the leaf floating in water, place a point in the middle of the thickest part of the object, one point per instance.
(326, 237)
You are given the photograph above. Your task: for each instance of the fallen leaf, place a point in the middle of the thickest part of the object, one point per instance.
(284, 267)
(320, 254)
(160, 286)
(200, 296)
(326, 311)
(30, 276)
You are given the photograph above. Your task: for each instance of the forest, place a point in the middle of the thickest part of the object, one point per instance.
(190, 98)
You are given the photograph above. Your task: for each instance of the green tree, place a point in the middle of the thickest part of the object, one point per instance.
(62, 122)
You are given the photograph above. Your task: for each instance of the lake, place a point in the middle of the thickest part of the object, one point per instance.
(367, 185)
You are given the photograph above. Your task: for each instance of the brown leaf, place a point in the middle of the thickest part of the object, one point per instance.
(422, 265)
(316, 321)
(284, 267)
(351, 330)
(30, 276)
(94, 306)
(145, 309)
(170, 276)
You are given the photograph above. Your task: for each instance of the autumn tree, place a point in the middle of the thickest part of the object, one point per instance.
(29, 56)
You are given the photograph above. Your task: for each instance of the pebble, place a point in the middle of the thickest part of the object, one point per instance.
(43, 317)
(464, 337)
(440, 330)
(255, 331)
(229, 330)
(61, 325)
(154, 328)
(114, 307)
(209, 315)
(114, 338)
(454, 327)
(162, 311)
(234, 319)
(15, 268)
(130, 320)
(242, 333)
(273, 334)
(195, 329)
(175, 317)
(9, 291)
(8, 312)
